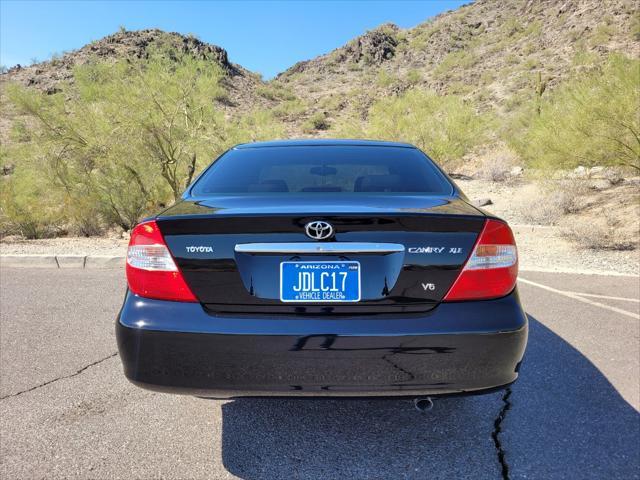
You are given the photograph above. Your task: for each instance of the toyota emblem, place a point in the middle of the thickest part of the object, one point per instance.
(319, 230)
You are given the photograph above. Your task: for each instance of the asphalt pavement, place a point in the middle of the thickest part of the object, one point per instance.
(66, 410)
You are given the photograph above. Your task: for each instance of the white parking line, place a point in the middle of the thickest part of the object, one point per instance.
(606, 297)
(577, 296)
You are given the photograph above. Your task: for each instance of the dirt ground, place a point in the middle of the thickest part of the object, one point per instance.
(552, 239)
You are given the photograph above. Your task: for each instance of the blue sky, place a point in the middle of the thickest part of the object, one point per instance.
(265, 37)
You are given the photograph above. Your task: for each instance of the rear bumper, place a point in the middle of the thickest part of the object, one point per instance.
(456, 348)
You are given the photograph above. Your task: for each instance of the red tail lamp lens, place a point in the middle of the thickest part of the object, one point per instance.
(492, 269)
(151, 270)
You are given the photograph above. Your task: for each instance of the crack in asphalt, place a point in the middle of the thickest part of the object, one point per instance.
(497, 429)
(398, 367)
(77, 372)
(495, 435)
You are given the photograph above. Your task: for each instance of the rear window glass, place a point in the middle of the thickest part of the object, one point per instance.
(322, 169)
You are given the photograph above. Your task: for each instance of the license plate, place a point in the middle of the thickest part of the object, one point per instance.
(320, 282)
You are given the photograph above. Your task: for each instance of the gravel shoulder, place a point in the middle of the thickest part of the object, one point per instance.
(65, 246)
(541, 247)
(544, 249)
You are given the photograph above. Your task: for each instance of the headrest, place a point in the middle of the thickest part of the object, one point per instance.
(328, 188)
(269, 186)
(378, 183)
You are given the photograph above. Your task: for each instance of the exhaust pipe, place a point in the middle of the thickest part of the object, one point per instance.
(423, 404)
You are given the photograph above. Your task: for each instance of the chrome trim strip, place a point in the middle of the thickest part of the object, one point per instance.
(319, 248)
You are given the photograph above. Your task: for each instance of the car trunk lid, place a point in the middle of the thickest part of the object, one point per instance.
(410, 248)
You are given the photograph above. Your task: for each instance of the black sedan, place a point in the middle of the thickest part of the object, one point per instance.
(322, 268)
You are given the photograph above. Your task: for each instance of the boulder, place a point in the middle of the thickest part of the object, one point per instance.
(597, 172)
(374, 47)
(460, 176)
(580, 172)
(516, 171)
(599, 184)
(482, 202)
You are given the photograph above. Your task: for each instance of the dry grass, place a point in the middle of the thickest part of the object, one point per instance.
(497, 167)
(553, 200)
(599, 235)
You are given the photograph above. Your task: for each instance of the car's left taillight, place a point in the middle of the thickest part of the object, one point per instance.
(151, 270)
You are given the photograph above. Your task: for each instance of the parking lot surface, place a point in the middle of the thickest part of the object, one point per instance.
(66, 409)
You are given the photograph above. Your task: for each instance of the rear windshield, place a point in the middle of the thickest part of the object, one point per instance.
(323, 169)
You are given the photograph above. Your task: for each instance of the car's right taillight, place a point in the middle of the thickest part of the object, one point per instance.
(151, 269)
(492, 269)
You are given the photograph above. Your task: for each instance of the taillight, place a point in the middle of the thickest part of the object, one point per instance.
(151, 270)
(492, 269)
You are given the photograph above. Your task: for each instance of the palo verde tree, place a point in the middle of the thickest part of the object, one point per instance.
(592, 119)
(445, 126)
(127, 137)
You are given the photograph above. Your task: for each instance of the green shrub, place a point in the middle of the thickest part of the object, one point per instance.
(275, 92)
(19, 132)
(317, 121)
(385, 79)
(593, 119)
(444, 126)
(512, 27)
(460, 88)
(349, 127)
(333, 102)
(487, 76)
(603, 31)
(119, 143)
(460, 60)
(414, 77)
(512, 59)
(531, 63)
(28, 206)
(420, 36)
(254, 127)
(635, 25)
(289, 109)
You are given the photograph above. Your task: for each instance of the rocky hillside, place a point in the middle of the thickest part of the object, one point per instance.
(495, 51)
(46, 76)
(494, 87)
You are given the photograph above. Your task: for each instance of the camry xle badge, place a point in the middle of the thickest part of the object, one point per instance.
(426, 250)
(319, 230)
(199, 249)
